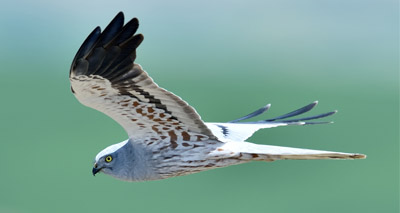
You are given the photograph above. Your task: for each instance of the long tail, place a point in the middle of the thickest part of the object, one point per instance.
(248, 151)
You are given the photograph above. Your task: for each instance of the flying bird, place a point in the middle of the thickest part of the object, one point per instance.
(167, 137)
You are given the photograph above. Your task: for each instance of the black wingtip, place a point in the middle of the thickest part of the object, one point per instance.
(253, 114)
(109, 53)
(295, 112)
(89, 42)
(323, 115)
(127, 31)
(318, 122)
(112, 29)
(120, 13)
(87, 45)
(296, 121)
(140, 39)
(120, 16)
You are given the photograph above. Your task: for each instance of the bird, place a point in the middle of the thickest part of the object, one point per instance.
(166, 136)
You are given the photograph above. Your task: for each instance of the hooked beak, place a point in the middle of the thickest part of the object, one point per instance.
(95, 169)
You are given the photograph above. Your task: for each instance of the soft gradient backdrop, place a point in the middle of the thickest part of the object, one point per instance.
(226, 58)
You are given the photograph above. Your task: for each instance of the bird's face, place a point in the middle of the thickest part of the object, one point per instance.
(109, 159)
(105, 164)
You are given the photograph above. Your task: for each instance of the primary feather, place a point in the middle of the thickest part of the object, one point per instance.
(235, 131)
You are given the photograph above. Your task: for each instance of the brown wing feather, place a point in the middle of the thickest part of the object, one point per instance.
(103, 76)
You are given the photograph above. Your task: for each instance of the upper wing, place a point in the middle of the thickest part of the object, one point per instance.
(234, 131)
(104, 77)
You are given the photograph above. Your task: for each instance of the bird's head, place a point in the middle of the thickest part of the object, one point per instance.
(109, 160)
(105, 164)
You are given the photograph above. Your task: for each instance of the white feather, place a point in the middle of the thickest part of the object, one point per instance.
(241, 131)
(268, 152)
(110, 149)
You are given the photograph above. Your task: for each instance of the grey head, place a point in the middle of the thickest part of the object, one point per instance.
(125, 161)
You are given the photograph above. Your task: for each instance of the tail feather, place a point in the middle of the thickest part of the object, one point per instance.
(248, 151)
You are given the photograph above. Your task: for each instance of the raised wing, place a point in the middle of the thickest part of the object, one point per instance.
(235, 131)
(104, 77)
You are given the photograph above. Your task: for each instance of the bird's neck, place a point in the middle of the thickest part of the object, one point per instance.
(139, 163)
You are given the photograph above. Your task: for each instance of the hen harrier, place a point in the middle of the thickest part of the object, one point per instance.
(167, 137)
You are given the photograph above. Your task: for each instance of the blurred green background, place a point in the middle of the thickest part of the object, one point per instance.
(226, 58)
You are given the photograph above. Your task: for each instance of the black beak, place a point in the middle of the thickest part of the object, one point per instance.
(95, 169)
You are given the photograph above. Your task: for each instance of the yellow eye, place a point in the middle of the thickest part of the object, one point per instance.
(108, 159)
